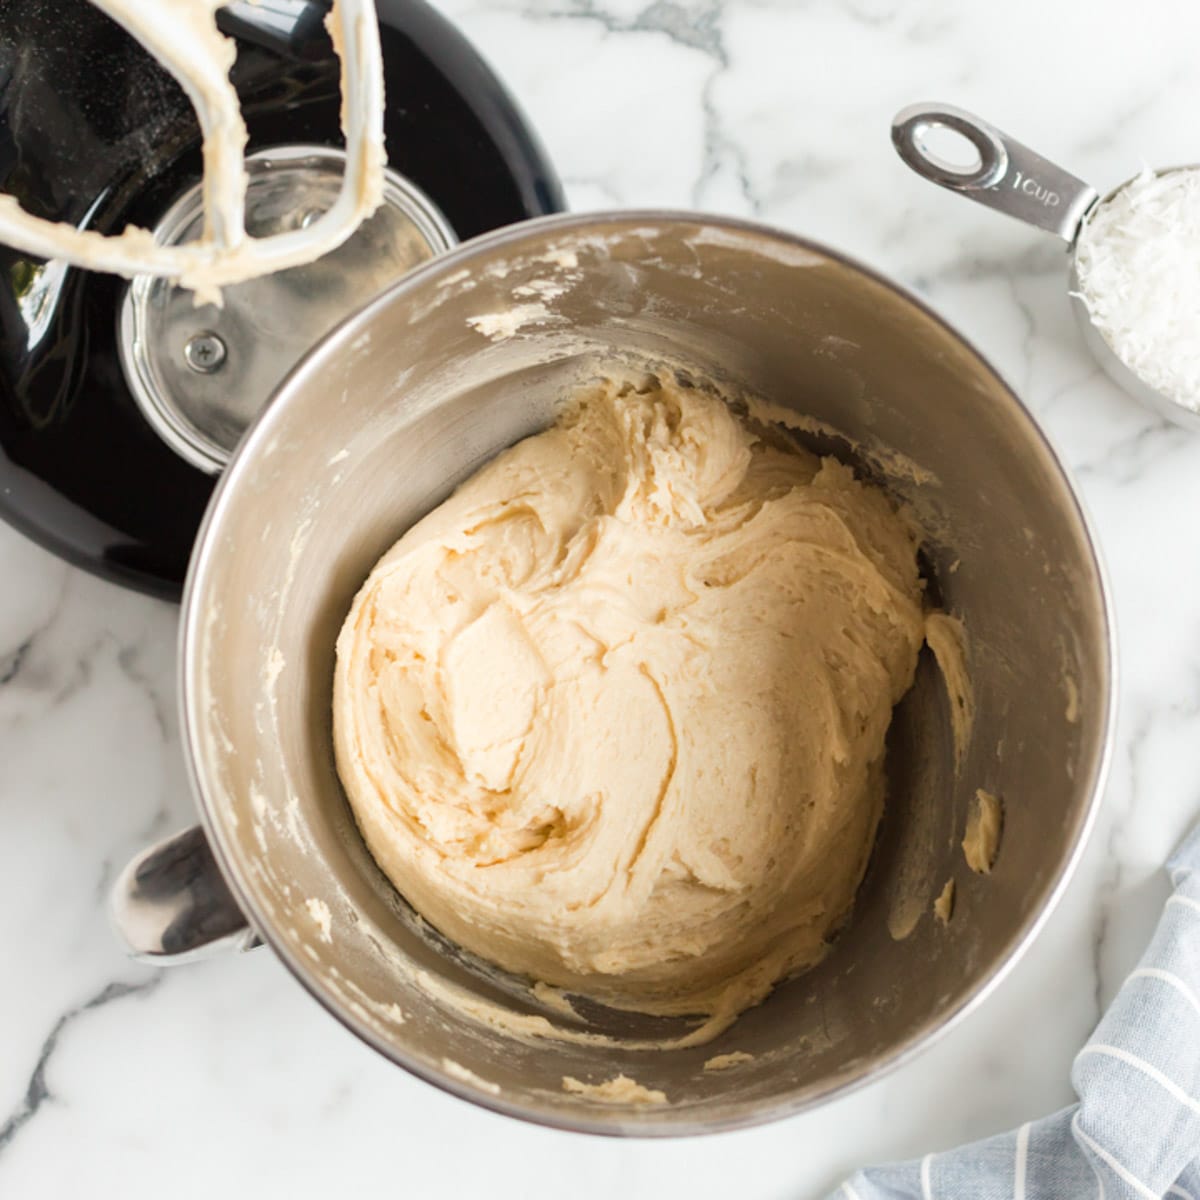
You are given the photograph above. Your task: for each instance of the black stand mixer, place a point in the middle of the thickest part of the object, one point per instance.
(121, 402)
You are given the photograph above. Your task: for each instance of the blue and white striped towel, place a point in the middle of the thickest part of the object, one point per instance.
(1136, 1129)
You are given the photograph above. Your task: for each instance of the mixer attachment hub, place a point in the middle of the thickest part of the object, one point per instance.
(200, 374)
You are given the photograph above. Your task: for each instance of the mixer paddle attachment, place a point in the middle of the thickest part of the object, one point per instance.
(184, 37)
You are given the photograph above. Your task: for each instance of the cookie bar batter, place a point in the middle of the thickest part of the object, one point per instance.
(613, 715)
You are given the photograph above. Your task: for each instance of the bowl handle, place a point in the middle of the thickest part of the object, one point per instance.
(171, 904)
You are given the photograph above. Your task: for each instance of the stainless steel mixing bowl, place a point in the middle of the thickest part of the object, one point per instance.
(469, 354)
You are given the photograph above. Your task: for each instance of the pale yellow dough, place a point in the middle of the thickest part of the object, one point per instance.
(943, 906)
(613, 715)
(722, 1062)
(619, 1090)
(982, 838)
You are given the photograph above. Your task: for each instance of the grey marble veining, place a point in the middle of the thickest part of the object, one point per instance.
(224, 1078)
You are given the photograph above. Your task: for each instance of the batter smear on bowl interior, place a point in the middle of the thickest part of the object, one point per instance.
(613, 715)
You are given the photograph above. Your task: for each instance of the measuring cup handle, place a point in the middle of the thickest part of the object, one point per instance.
(1009, 177)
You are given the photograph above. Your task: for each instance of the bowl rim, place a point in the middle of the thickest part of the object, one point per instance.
(622, 1122)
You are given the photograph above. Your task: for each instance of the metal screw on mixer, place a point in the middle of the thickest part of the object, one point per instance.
(204, 352)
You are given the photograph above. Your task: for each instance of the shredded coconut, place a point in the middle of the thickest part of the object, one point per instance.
(1138, 264)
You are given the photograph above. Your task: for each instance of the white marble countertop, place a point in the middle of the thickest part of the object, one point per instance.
(225, 1078)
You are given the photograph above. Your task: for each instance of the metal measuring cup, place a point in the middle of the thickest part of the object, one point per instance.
(1012, 179)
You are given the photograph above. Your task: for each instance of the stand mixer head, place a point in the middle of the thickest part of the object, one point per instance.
(121, 401)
